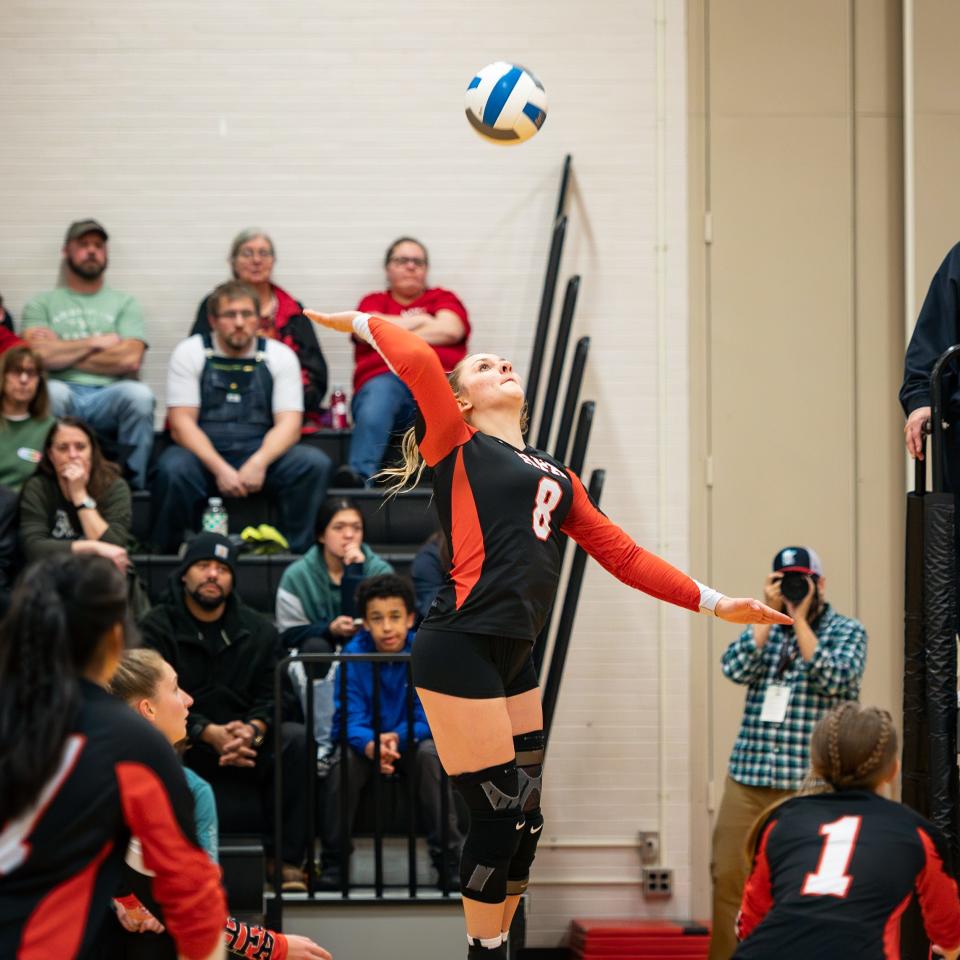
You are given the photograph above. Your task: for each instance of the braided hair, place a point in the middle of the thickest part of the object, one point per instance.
(59, 614)
(853, 747)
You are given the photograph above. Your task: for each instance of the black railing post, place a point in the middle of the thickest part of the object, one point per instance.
(543, 320)
(577, 368)
(377, 777)
(345, 811)
(556, 365)
(311, 767)
(276, 914)
(564, 185)
(568, 613)
(412, 789)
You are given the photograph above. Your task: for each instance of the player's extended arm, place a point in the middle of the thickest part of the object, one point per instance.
(757, 892)
(416, 363)
(187, 883)
(616, 552)
(939, 900)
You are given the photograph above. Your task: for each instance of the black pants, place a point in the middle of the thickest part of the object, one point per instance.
(425, 767)
(245, 794)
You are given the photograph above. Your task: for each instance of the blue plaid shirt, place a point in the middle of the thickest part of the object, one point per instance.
(777, 754)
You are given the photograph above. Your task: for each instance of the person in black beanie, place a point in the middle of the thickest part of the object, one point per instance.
(224, 654)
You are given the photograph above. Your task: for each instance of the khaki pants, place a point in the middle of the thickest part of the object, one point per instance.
(739, 809)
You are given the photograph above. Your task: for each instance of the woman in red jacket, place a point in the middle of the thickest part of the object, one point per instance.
(504, 508)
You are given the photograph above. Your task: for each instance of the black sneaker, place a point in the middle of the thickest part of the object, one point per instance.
(347, 478)
(329, 878)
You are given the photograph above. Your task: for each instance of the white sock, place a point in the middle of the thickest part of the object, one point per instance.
(488, 943)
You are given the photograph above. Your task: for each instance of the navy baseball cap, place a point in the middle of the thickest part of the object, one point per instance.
(798, 560)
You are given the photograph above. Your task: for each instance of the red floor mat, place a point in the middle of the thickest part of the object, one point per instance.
(638, 940)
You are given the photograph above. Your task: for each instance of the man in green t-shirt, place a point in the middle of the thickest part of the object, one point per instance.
(92, 340)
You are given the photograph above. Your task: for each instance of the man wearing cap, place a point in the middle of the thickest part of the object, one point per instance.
(92, 340)
(793, 676)
(224, 654)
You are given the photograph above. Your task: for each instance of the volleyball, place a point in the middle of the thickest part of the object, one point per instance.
(506, 104)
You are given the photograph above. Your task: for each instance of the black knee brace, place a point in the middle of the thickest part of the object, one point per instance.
(496, 826)
(529, 748)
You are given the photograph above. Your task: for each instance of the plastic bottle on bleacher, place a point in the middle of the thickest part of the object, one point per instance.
(215, 517)
(338, 409)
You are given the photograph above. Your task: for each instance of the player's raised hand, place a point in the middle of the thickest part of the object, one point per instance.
(303, 948)
(747, 610)
(944, 952)
(335, 321)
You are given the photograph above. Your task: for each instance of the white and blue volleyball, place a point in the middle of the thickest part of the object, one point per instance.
(506, 104)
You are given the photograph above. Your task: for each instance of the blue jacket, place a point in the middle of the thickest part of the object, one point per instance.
(393, 698)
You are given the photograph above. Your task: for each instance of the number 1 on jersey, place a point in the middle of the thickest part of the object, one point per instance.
(546, 501)
(831, 878)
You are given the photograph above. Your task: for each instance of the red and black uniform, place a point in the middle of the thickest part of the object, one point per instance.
(503, 511)
(60, 861)
(833, 874)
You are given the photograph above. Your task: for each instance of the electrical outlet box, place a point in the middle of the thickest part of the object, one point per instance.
(649, 847)
(657, 883)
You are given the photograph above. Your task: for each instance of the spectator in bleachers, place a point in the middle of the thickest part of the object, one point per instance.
(92, 340)
(382, 405)
(252, 259)
(387, 607)
(25, 420)
(316, 597)
(6, 318)
(235, 407)
(224, 654)
(429, 571)
(76, 501)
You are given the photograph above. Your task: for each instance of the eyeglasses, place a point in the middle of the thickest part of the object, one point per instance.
(24, 372)
(232, 314)
(247, 254)
(418, 262)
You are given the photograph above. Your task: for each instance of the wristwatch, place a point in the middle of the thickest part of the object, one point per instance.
(258, 737)
(88, 503)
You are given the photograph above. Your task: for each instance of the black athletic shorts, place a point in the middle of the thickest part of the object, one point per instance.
(472, 665)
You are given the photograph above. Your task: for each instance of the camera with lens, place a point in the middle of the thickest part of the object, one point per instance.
(795, 586)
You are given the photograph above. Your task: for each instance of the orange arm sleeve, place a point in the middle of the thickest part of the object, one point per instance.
(416, 363)
(616, 552)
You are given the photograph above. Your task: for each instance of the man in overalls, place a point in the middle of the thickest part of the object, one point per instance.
(235, 406)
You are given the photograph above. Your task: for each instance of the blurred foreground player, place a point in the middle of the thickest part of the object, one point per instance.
(504, 508)
(834, 871)
(81, 773)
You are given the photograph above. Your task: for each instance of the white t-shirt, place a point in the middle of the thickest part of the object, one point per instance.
(188, 359)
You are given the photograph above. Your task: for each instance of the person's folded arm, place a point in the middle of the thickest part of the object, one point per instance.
(58, 354)
(120, 361)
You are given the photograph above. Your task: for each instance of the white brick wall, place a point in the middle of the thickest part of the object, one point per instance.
(338, 127)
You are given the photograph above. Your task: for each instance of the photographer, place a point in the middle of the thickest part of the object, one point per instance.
(793, 675)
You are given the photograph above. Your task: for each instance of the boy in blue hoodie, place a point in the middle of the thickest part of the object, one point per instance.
(387, 606)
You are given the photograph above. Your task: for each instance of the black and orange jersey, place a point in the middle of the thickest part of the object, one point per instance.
(503, 511)
(833, 874)
(60, 860)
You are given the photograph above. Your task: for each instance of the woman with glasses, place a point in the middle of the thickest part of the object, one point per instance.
(252, 258)
(382, 404)
(26, 419)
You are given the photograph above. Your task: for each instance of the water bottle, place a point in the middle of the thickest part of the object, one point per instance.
(215, 517)
(338, 409)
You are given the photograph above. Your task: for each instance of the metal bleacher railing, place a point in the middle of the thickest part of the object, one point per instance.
(315, 666)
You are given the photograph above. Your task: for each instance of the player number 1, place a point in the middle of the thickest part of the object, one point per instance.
(547, 500)
(831, 878)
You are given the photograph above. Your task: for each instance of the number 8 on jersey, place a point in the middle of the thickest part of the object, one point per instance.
(546, 501)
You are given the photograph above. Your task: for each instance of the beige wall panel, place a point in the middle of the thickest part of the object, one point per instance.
(936, 25)
(880, 489)
(878, 51)
(778, 57)
(781, 360)
(937, 193)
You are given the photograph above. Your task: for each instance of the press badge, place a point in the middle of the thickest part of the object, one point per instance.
(775, 703)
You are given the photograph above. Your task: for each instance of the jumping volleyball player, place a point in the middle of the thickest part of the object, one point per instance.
(834, 869)
(80, 773)
(503, 506)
